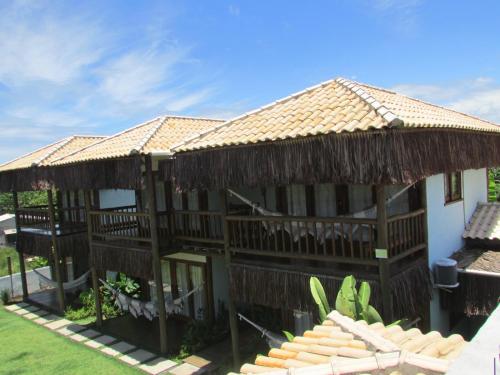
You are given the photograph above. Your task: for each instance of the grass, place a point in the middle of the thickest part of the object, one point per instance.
(30, 349)
(8, 252)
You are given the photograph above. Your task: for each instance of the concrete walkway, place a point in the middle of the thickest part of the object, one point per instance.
(138, 358)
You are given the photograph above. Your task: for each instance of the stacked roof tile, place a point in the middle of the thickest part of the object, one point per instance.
(343, 346)
(332, 107)
(46, 155)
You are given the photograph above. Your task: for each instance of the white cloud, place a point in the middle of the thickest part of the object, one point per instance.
(234, 10)
(43, 46)
(70, 69)
(403, 15)
(479, 96)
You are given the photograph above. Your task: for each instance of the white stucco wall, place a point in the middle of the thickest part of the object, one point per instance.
(116, 197)
(220, 282)
(446, 223)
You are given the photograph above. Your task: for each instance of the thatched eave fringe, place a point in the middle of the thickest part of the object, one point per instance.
(476, 295)
(123, 173)
(133, 262)
(280, 288)
(394, 156)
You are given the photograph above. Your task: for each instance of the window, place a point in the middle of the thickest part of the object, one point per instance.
(453, 187)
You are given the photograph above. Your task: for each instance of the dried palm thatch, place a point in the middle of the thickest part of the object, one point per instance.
(136, 262)
(75, 245)
(279, 288)
(124, 173)
(479, 282)
(393, 156)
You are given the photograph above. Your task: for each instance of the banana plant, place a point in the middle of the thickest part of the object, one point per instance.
(319, 296)
(356, 303)
(350, 301)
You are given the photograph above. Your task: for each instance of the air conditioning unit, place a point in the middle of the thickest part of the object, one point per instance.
(445, 273)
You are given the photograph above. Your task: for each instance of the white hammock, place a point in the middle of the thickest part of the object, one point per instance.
(70, 286)
(148, 309)
(297, 231)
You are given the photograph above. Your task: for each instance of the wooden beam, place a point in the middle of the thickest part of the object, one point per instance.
(22, 267)
(383, 264)
(151, 196)
(93, 271)
(55, 252)
(233, 321)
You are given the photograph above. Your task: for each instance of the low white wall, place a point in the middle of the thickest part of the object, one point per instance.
(446, 224)
(116, 197)
(220, 282)
(31, 279)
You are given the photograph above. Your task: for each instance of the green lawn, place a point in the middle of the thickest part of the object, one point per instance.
(8, 252)
(27, 348)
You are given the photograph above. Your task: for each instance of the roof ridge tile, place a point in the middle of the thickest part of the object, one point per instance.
(246, 114)
(107, 138)
(392, 119)
(32, 152)
(147, 137)
(64, 142)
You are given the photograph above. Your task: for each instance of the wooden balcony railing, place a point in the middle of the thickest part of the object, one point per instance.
(120, 225)
(37, 217)
(198, 226)
(342, 239)
(34, 217)
(406, 233)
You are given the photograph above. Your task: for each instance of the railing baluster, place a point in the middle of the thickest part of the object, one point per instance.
(315, 231)
(323, 238)
(306, 237)
(333, 236)
(342, 237)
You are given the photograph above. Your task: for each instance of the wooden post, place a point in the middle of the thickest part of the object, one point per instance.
(233, 321)
(155, 248)
(383, 253)
(93, 271)
(22, 267)
(57, 259)
(426, 319)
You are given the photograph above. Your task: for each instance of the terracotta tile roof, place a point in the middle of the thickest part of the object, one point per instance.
(332, 107)
(485, 222)
(45, 155)
(341, 345)
(155, 135)
(478, 260)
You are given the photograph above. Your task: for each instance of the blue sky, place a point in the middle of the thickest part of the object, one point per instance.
(99, 67)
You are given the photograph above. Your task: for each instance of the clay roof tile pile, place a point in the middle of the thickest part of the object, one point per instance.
(343, 346)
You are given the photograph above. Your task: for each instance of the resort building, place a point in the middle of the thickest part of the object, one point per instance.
(340, 179)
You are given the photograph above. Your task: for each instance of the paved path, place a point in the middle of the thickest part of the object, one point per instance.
(31, 279)
(123, 351)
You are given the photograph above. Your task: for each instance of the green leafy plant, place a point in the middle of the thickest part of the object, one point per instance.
(319, 296)
(201, 333)
(125, 285)
(355, 303)
(5, 295)
(350, 301)
(289, 336)
(37, 262)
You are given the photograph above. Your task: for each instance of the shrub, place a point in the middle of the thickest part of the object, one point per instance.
(37, 262)
(5, 296)
(202, 333)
